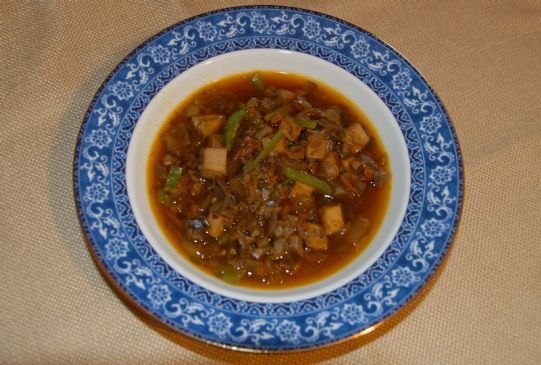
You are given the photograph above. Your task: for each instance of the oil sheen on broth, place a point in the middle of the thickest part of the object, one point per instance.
(268, 180)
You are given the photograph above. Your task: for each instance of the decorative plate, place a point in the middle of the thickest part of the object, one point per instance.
(120, 247)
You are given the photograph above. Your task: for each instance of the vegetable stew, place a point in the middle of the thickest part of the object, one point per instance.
(268, 180)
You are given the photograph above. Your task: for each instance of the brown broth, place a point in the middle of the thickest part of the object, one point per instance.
(372, 204)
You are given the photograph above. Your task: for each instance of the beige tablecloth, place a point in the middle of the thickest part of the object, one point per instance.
(484, 306)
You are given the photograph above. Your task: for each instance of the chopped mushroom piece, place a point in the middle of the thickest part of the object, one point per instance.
(356, 137)
(216, 140)
(214, 162)
(332, 218)
(216, 225)
(208, 124)
(316, 146)
(315, 237)
(329, 166)
(291, 130)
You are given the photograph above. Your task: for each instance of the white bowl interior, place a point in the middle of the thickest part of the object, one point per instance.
(232, 63)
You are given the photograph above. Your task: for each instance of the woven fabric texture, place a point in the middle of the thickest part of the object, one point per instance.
(483, 306)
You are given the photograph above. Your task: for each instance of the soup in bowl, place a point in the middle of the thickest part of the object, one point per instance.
(268, 175)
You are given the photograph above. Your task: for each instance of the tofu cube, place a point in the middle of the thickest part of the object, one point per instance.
(332, 218)
(208, 124)
(314, 236)
(291, 130)
(214, 162)
(216, 225)
(300, 189)
(316, 146)
(356, 137)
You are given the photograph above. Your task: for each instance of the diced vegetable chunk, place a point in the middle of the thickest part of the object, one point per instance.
(208, 124)
(300, 189)
(216, 140)
(315, 237)
(347, 163)
(356, 137)
(291, 130)
(280, 147)
(316, 146)
(332, 218)
(329, 166)
(232, 275)
(214, 162)
(173, 178)
(216, 225)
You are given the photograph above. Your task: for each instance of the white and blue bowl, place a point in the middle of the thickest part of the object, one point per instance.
(135, 100)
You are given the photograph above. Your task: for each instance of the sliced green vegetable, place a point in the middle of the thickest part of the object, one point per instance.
(258, 83)
(308, 179)
(286, 182)
(224, 238)
(231, 275)
(232, 126)
(164, 197)
(251, 165)
(308, 123)
(174, 176)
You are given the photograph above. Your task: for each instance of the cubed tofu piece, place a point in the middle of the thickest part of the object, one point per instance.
(208, 124)
(315, 237)
(300, 189)
(216, 225)
(316, 146)
(214, 162)
(291, 130)
(332, 218)
(356, 137)
(330, 166)
(279, 148)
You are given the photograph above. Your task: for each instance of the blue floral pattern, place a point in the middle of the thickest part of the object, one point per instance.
(259, 22)
(360, 48)
(219, 325)
(116, 249)
(311, 28)
(353, 314)
(99, 138)
(160, 54)
(96, 193)
(430, 124)
(403, 276)
(413, 255)
(401, 80)
(159, 295)
(122, 90)
(288, 331)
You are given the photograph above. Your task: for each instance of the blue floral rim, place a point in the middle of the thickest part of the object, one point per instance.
(121, 249)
